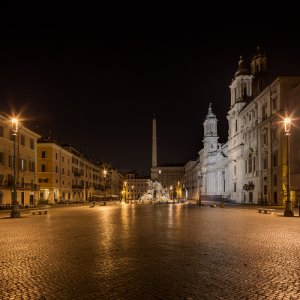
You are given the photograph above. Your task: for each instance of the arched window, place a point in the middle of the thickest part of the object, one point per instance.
(245, 91)
(250, 163)
(265, 136)
(264, 111)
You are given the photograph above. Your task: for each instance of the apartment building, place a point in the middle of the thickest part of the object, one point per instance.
(22, 161)
(54, 171)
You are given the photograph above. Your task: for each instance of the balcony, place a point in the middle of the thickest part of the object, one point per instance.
(27, 186)
(6, 183)
(77, 173)
(77, 186)
(31, 186)
(20, 186)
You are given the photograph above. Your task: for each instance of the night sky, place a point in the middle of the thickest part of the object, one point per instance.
(98, 87)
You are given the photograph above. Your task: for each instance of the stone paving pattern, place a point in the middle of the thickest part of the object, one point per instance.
(150, 252)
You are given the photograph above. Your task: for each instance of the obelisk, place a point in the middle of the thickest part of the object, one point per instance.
(154, 144)
(154, 169)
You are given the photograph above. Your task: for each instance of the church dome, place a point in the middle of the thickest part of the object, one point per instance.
(242, 70)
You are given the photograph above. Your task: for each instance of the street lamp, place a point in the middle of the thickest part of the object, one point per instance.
(178, 194)
(104, 182)
(288, 208)
(125, 190)
(15, 213)
(171, 189)
(104, 173)
(133, 196)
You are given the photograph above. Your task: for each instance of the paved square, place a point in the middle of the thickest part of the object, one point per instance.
(150, 252)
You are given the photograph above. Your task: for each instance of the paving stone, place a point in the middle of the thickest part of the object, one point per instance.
(149, 252)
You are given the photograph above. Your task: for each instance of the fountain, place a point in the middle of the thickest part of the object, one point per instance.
(155, 193)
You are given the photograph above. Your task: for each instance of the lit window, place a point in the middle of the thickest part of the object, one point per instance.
(23, 164)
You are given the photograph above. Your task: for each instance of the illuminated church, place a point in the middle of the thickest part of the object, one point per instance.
(251, 167)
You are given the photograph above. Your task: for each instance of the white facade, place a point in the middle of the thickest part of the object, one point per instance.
(251, 166)
(208, 175)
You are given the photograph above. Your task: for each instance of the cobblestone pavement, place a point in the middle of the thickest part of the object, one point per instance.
(150, 252)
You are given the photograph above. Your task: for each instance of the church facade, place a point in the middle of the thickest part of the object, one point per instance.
(251, 167)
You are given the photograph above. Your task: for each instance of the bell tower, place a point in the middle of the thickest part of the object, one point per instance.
(259, 71)
(241, 85)
(210, 139)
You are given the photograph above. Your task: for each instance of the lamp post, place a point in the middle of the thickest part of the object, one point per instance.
(288, 205)
(125, 190)
(104, 176)
(15, 213)
(133, 196)
(171, 189)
